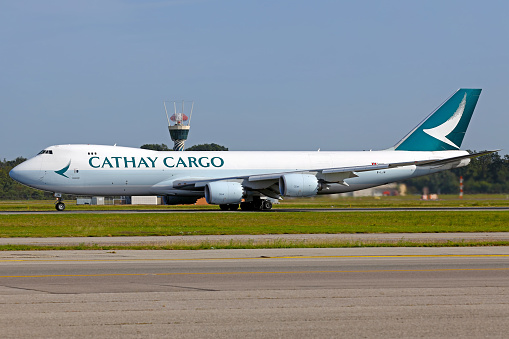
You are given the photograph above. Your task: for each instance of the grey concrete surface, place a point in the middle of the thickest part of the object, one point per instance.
(319, 293)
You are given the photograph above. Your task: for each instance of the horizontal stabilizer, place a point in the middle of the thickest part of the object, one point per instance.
(441, 161)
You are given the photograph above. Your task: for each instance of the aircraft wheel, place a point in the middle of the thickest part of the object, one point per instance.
(246, 206)
(256, 205)
(234, 207)
(224, 207)
(266, 205)
(60, 206)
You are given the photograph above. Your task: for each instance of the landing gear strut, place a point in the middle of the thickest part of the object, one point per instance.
(256, 205)
(59, 205)
(229, 207)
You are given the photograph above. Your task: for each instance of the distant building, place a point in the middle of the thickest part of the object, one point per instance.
(388, 189)
(145, 200)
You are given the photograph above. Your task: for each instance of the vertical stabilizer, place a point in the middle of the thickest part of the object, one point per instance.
(445, 128)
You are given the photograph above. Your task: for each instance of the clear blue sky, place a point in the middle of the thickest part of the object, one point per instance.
(264, 75)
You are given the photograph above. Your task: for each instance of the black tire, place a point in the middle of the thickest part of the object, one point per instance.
(257, 205)
(234, 207)
(224, 207)
(246, 206)
(266, 205)
(60, 206)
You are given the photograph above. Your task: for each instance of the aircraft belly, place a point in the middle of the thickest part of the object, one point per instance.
(105, 190)
(101, 183)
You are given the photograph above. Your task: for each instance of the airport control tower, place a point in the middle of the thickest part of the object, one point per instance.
(181, 125)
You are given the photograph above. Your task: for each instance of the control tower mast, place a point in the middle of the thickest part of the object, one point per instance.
(181, 125)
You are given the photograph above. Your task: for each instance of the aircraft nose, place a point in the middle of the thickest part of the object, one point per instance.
(15, 174)
(27, 173)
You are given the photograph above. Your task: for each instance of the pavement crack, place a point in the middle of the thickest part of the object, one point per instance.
(192, 288)
(27, 289)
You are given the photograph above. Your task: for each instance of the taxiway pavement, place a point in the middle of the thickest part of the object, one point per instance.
(356, 292)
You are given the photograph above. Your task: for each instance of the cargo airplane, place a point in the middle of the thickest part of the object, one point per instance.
(251, 180)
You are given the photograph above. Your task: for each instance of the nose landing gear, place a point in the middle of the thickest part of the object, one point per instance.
(59, 205)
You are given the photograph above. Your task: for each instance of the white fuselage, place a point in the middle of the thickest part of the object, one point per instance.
(114, 170)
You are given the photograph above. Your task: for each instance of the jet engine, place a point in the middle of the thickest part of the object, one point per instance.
(298, 185)
(223, 192)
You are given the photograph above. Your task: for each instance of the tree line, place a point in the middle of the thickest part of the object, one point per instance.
(486, 174)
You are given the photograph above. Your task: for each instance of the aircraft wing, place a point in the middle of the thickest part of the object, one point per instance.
(187, 183)
(339, 174)
(331, 175)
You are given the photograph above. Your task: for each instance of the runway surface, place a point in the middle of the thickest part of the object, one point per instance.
(359, 292)
(277, 210)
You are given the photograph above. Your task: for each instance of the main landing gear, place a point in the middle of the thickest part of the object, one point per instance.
(255, 205)
(59, 205)
(229, 207)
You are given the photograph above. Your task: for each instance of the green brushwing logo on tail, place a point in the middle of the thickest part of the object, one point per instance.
(445, 128)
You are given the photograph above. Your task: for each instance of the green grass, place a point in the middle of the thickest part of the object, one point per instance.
(153, 224)
(206, 245)
(485, 200)
(70, 205)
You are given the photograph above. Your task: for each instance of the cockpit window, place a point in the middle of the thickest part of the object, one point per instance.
(46, 151)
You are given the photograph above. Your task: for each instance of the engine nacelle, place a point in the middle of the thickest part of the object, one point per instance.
(298, 185)
(223, 192)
